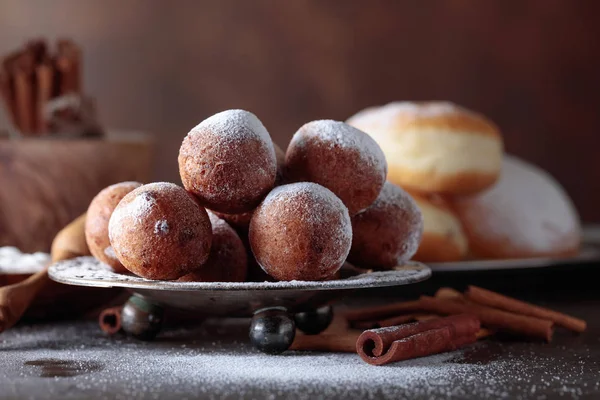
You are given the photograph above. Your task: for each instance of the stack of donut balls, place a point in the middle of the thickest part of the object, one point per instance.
(477, 202)
(249, 211)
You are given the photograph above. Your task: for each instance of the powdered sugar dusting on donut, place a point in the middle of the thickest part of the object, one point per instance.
(110, 253)
(219, 225)
(235, 125)
(138, 209)
(527, 209)
(318, 209)
(398, 201)
(289, 194)
(228, 158)
(337, 133)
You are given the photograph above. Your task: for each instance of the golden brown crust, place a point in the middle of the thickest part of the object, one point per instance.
(241, 222)
(355, 173)
(228, 162)
(388, 232)
(438, 248)
(227, 261)
(96, 225)
(158, 231)
(301, 231)
(449, 184)
(396, 118)
(443, 238)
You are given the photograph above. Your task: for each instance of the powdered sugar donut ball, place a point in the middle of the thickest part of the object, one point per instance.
(435, 147)
(301, 231)
(388, 232)
(526, 214)
(341, 158)
(227, 261)
(444, 239)
(228, 162)
(241, 222)
(159, 231)
(96, 223)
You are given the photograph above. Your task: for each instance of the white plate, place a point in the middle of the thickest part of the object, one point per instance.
(589, 254)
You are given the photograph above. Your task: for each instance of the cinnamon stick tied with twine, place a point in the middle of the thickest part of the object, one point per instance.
(386, 345)
(496, 300)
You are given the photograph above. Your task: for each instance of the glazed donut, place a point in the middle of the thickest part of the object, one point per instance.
(159, 231)
(301, 231)
(527, 214)
(341, 158)
(228, 162)
(227, 261)
(443, 237)
(435, 147)
(388, 232)
(96, 223)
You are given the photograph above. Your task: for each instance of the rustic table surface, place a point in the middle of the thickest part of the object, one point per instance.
(76, 360)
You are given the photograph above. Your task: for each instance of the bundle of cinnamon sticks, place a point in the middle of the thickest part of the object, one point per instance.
(444, 322)
(32, 76)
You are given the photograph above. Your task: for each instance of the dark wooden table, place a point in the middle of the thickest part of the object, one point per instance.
(75, 360)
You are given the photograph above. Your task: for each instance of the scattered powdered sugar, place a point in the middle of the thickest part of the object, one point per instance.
(228, 156)
(161, 227)
(527, 209)
(110, 253)
(138, 208)
(218, 224)
(12, 261)
(87, 271)
(216, 361)
(235, 125)
(340, 134)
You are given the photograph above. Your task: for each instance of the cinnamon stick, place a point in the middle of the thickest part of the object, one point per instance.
(110, 320)
(24, 101)
(496, 300)
(6, 91)
(521, 324)
(386, 345)
(382, 323)
(448, 293)
(343, 342)
(384, 311)
(45, 81)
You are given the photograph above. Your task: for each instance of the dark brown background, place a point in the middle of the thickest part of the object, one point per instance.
(163, 66)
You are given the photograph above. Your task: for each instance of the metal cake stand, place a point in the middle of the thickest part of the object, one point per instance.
(276, 308)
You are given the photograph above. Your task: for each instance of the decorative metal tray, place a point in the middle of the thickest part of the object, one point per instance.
(276, 307)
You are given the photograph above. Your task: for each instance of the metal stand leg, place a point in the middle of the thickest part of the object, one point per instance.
(141, 319)
(316, 321)
(272, 330)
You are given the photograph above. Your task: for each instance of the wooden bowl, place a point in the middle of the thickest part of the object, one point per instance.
(46, 183)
